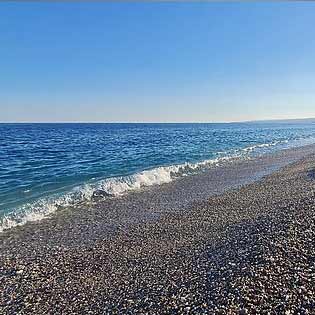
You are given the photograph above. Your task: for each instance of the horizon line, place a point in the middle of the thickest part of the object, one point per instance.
(158, 122)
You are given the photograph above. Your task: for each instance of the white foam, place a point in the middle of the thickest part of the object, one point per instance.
(118, 186)
(263, 145)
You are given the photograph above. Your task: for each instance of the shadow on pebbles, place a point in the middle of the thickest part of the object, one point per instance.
(248, 251)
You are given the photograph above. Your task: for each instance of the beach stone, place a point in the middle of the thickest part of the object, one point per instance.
(249, 250)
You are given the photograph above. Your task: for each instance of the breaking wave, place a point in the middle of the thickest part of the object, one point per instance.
(93, 192)
(113, 187)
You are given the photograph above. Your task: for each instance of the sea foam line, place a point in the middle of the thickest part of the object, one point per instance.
(112, 187)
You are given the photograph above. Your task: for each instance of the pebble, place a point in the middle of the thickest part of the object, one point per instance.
(248, 251)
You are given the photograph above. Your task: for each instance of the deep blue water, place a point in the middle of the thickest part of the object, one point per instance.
(44, 166)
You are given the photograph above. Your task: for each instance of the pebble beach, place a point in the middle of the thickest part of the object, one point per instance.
(245, 249)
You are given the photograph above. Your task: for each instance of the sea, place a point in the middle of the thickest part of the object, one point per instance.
(51, 166)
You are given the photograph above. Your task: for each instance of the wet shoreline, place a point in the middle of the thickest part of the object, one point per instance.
(66, 227)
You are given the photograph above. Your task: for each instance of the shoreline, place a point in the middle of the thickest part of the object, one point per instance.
(177, 259)
(85, 195)
(105, 217)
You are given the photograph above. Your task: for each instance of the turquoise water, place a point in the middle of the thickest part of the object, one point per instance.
(47, 166)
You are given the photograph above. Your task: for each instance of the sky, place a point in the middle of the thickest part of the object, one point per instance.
(156, 62)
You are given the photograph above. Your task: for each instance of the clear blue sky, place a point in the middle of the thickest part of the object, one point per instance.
(156, 61)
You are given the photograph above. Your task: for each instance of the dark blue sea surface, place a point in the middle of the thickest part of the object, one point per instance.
(47, 166)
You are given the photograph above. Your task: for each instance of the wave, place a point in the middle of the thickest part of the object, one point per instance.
(113, 187)
(264, 145)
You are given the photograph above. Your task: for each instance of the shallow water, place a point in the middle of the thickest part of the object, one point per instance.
(47, 166)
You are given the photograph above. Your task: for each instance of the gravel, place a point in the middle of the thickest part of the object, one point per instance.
(249, 250)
